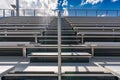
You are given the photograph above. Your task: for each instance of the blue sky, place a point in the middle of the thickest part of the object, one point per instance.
(92, 4)
(69, 4)
(50, 5)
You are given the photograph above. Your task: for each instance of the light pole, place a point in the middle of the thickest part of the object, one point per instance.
(59, 45)
(17, 7)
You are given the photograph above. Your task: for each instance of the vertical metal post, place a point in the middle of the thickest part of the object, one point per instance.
(23, 12)
(34, 12)
(24, 51)
(12, 13)
(36, 38)
(117, 13)
(59, 45)
(17, 7)
(92, 51)
(75, 12)
(82, 38)
(5, 32)
(106, 12)
(86, 12)
(96, 13)
(3, 12)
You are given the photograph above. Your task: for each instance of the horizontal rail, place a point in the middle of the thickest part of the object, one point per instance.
(63, 53)
(53, 75)
(22, 75)
(56, 40)
(96, 24)
(43, 28)
(99, 33)
(89, 28)
(20, 32)
(90, 75)
(24, 24)
(78, 36)
(41, 36)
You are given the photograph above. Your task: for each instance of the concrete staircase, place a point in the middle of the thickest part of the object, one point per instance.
(50, 34)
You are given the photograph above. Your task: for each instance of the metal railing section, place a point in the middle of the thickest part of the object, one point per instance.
(68, 12)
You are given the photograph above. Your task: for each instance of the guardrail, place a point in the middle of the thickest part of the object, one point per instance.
(67, 12)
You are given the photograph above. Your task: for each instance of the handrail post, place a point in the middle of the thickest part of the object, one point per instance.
(3, 12)
(96, 13)
(34, 12)
(86, 12)
(24, 12)
(36, 38)
(117, 13)
(106, 12)
(75, 12)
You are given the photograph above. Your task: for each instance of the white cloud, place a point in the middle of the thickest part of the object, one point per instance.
(12, 2)
(101, 15)
(5, 4)
(65, 5)
(93, 2)
(48, 5)
(65, 13)
(45, 7)
(71, 6)
(41, 4)
(114, 0)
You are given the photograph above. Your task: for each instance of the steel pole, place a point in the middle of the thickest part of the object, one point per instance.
(59, 45)
(17, 7)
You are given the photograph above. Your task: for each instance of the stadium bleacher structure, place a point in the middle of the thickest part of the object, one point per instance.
(82, 39)
(75, 31)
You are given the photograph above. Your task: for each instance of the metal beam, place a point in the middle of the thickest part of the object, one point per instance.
(59, 45)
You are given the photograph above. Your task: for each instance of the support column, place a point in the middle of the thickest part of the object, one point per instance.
(36, 38)
(5, 32)
(17, 7)
(92, 51)
(24, 51)
(82, 38)
(59, 46)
